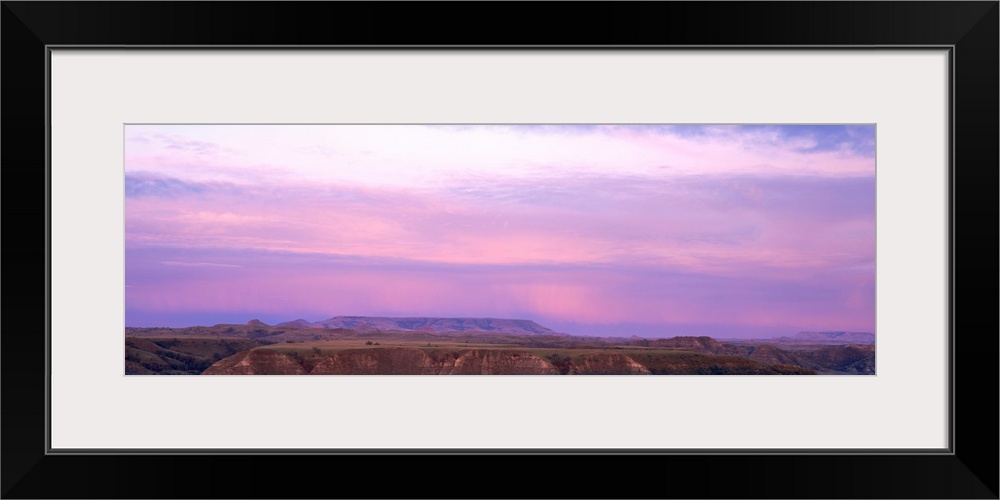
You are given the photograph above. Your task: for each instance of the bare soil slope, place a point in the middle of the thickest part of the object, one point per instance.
(387, 361)
(607, 364)
(261, 361)
(499, 362)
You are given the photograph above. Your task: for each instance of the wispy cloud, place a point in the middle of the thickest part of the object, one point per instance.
(429, 156)
(701, 221)
(195, 264)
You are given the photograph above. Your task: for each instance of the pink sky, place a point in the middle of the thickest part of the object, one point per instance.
(727, 231)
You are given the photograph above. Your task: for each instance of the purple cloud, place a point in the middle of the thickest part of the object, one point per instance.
(660, 226)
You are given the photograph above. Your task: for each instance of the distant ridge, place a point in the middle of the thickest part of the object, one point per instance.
(299, 323)
(831, 338)
(432, 325)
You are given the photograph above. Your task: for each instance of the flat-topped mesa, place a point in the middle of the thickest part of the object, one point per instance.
(435, 325)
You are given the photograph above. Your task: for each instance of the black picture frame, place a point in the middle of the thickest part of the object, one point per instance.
(969, 28)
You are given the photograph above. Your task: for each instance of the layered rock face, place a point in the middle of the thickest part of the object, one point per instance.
(476, 362)
(411, 361)
(257, 362)
(763, 360)
(607, 364)
(387, 361)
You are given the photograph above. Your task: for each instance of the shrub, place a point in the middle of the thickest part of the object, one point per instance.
(295, 356)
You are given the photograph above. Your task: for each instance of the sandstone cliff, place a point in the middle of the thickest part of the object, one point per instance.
(261, 361)
(607, 364)
(499, 362)
(386, 361)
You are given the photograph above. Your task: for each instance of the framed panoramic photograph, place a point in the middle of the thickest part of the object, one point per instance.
(729, 255)
(575, 249)
(359, 257)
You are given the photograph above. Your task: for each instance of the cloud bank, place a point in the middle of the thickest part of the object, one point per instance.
(747, 228)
